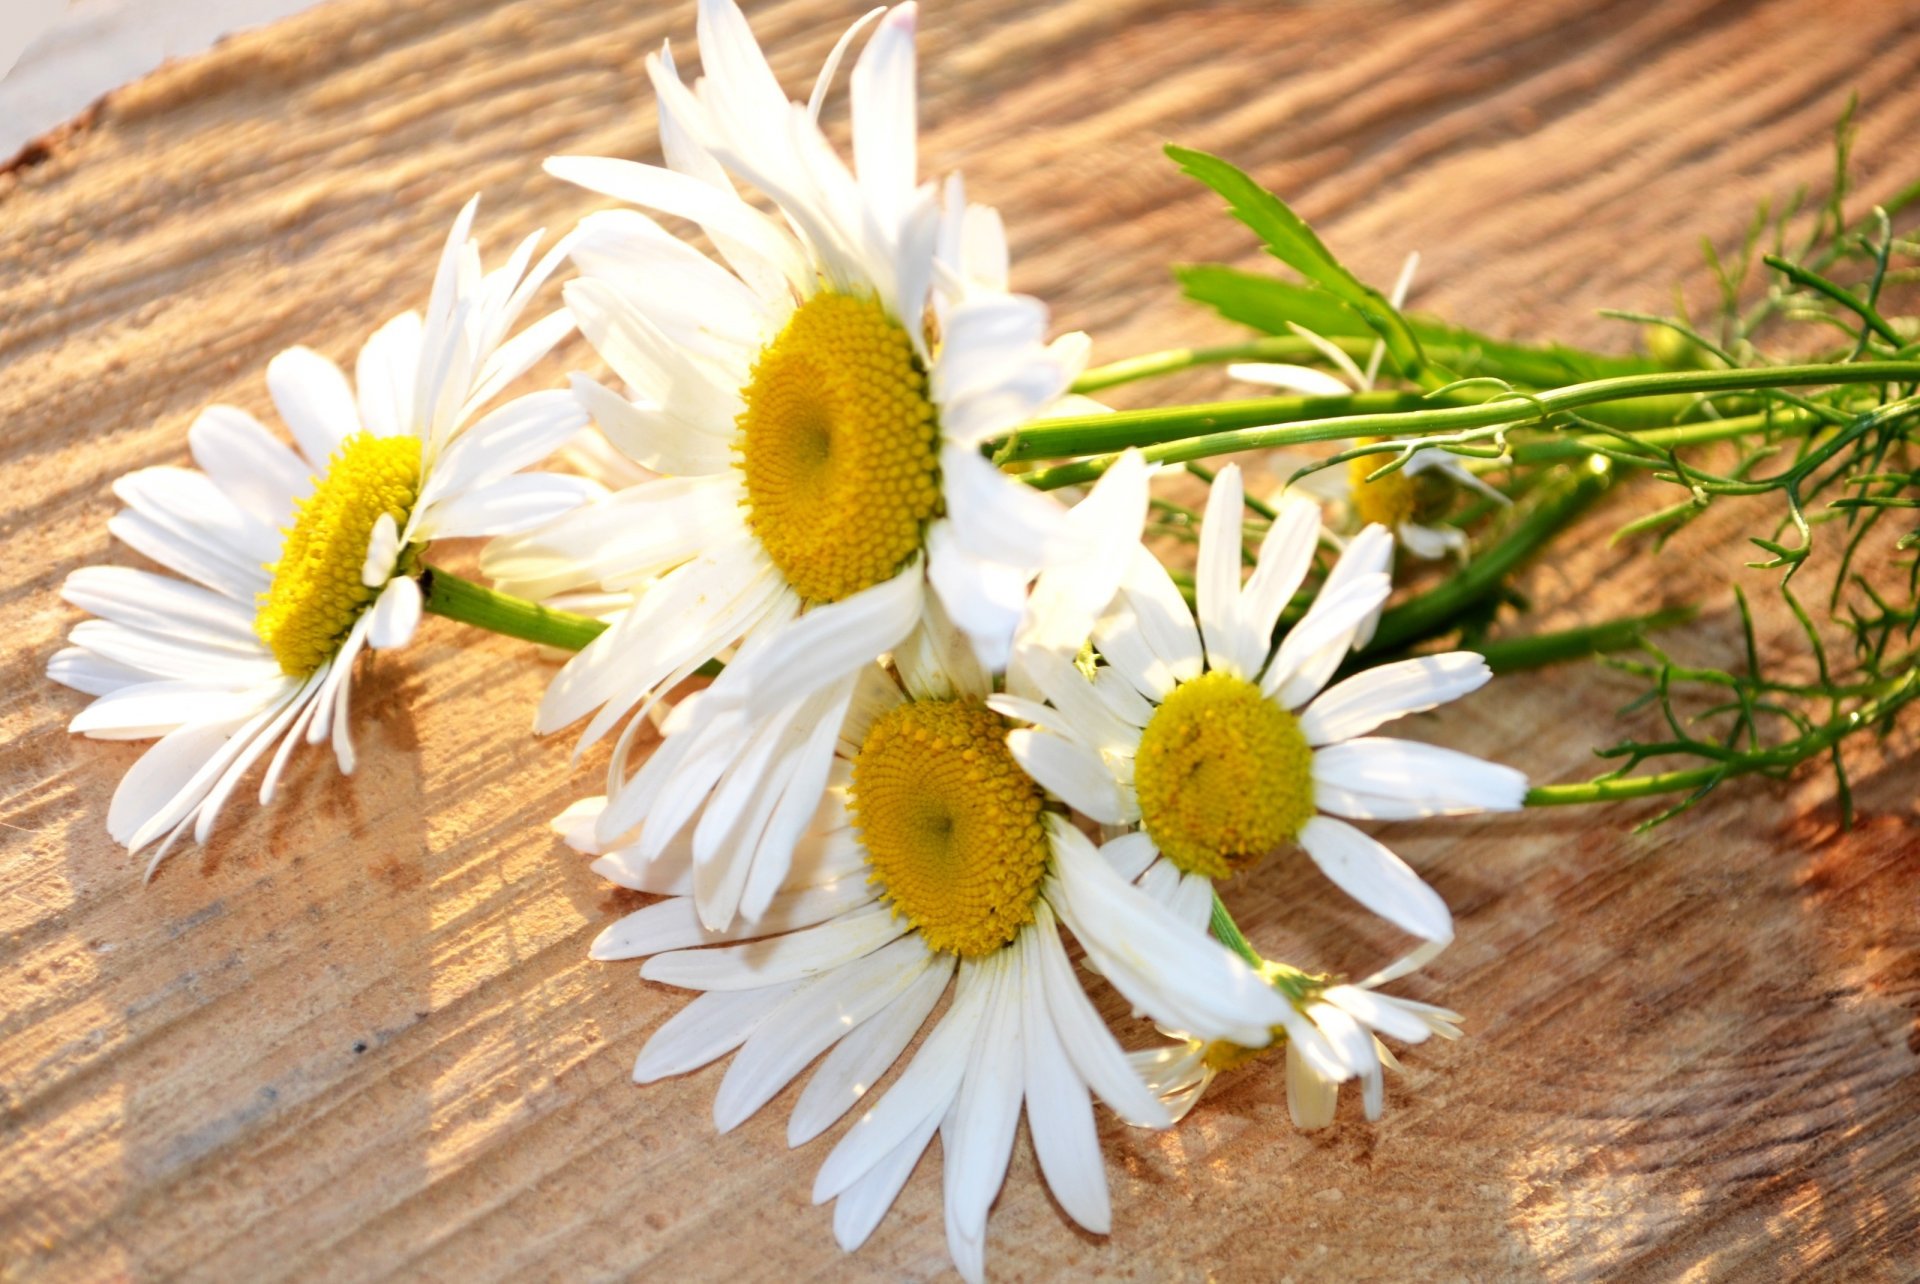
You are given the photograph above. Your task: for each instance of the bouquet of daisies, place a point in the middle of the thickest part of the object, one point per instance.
(923, 712)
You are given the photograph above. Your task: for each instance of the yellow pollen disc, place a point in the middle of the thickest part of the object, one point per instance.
(953, 828)
(1399, 497)
(840, 448)
(1223, 774)
(1390, 501)
(1221, 1056)
(316, 593)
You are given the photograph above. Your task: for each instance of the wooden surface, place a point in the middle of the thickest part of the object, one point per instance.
(359, 1037)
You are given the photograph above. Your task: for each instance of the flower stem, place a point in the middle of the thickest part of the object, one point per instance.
(1229, 934)
(1286, 348)
(1512, 655)
(1900, 690)
(460, 599)
(1179, 433)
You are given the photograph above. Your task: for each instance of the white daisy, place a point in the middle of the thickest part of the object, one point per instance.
(1407, 501)
(932, 859)
(1224, 749)
(815, 400)
(299, 560)
(1332, 1036)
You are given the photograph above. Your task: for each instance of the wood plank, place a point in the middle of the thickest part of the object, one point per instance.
(359, 1037)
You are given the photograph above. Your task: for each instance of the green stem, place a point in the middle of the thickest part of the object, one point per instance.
(1697, 434)
(460, 599)
(1124, 428)
(1229, 934)
(1286, 348)
(1900, 690)
(1181, 433)
(1512, 655)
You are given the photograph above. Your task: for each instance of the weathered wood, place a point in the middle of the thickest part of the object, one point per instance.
(359, 1036)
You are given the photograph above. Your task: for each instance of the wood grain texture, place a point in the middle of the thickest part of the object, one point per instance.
(359, 1037)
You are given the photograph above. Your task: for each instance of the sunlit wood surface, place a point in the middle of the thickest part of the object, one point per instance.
(359, 1037)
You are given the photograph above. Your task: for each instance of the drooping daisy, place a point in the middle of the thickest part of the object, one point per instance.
(297, 560)
(1410, 501)
(1224, 749)
(932, 862)
(815, 399)
(1332, 1035)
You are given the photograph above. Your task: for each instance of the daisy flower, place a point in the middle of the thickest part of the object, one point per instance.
(1408, 501)
(815, 398)
(1222, 748)
(932, 865)
(297, 559)
(1332, 1035)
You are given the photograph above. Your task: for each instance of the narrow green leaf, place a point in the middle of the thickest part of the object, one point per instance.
(1267, 304)
(1289, 239)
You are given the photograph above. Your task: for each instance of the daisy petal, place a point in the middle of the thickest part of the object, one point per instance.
(1365, 870)
(1388, 691)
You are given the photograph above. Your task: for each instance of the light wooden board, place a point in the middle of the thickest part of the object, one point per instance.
(359, 1037)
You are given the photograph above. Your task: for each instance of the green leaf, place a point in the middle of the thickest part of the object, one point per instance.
(1267, 304)
(1289, 239)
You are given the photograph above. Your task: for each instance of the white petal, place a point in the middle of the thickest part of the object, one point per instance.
(861, 1206)
(1303, 380)
(1077, 776)
(1166, 968)
(1217, 574)
(834, 640)
(984, 599)
(1059, 1113)
(82, 670)
(313, 397)
(809, 1023)
(1388, 691)
(707, 1028)
(521, 502)
(249, 463)
(517, 435)
(1088, 1041)
(883, 115)
(1314, 647)
(383, 550)
(1069, 597)
(1311, 1100)
(384, 374)
(859, 1060)
(396, 614)
(161, 604)
(1285, 556)
(651, 436)
(782, 958)
(978, 1137)
(1378, 879)
(143, 710)
(998, 519)
(1148, 634)
(923, 1092)
(675, 925)
(1376, 776)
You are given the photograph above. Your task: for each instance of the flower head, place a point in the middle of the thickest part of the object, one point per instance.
(1224, 748)
(930, 864)
(295, 560)
(1410, 501)
(1331, 1034)
(814, 399)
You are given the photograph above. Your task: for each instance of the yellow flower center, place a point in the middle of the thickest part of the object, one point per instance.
(1221, 1056)
(316, 593)
(1223, 775)
(1399, 497)
(953, 828)
(840, 448)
